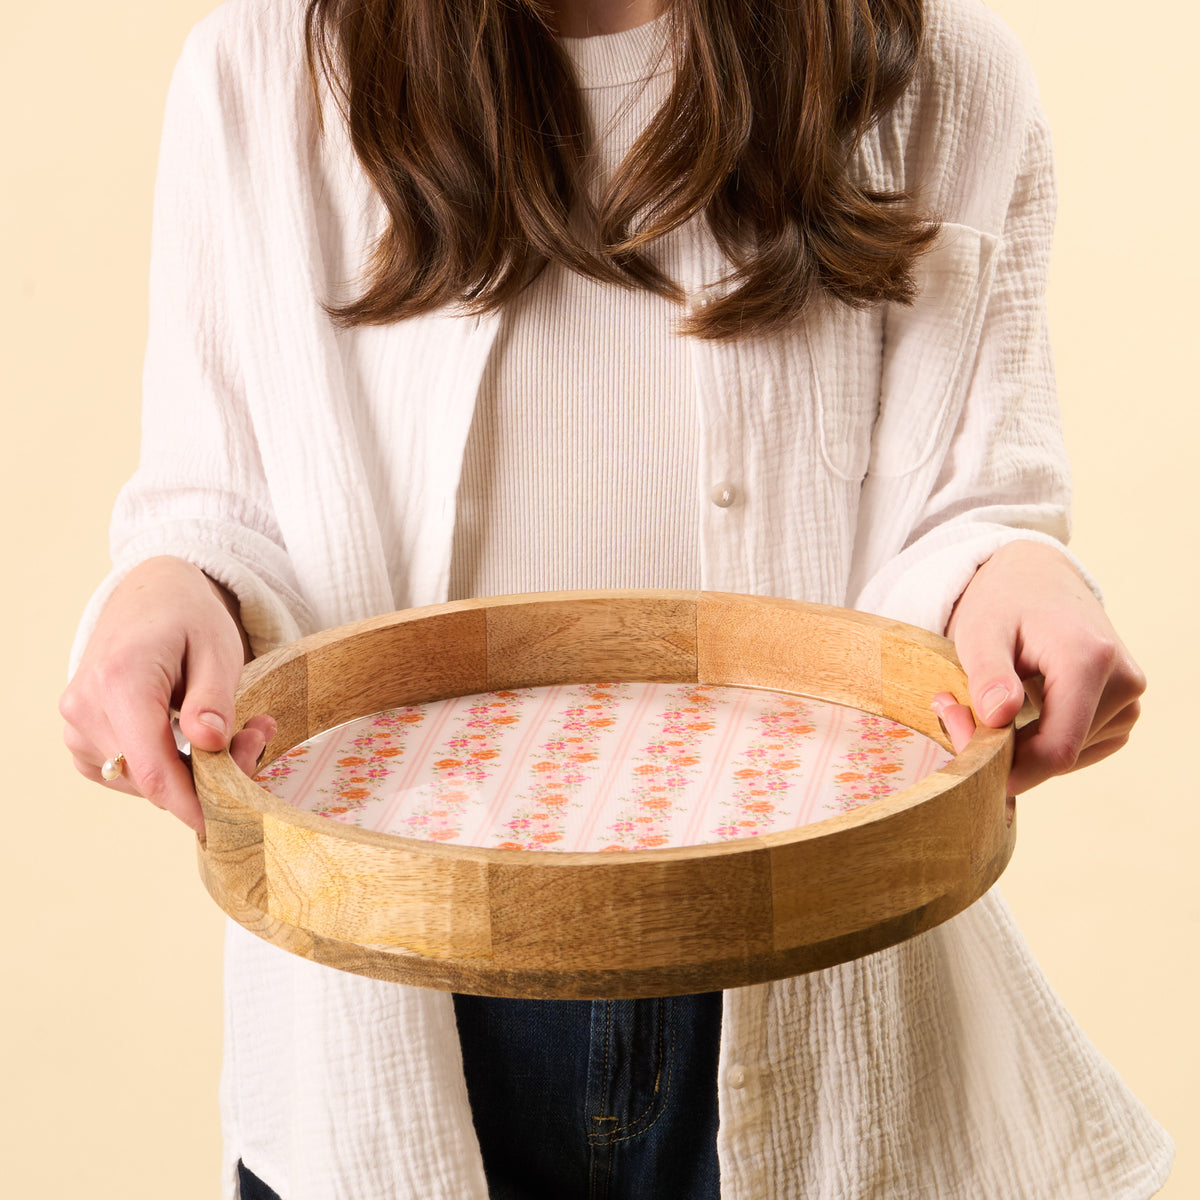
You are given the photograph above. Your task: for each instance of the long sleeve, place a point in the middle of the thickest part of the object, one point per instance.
(199, 492)
(986, 464)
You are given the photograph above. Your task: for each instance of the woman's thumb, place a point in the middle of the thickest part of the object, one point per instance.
(206, 714)
(996, 689)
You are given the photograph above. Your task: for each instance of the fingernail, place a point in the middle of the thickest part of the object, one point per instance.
(214, 721)
(993, 700)
(938, 705)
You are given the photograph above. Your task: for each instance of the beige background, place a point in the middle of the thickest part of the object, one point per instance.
(111, 1000)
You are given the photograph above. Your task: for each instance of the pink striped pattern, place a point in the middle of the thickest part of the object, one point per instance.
(602, 766)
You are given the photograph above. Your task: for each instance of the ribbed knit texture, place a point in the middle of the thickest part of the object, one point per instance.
(580, 467)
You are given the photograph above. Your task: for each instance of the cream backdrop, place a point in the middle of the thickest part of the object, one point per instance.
(111, 1000)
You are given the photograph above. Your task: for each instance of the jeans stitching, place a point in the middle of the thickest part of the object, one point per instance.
(610, 1137)
(598, 1186)
(666, 1095)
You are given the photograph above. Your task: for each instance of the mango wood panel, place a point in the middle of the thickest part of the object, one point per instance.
(648, 638)
(631, 915)
(914, 666)
(786, 646)
(405, 662)
(652, 922)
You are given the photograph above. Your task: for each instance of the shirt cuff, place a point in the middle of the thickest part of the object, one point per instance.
(272, 610)
(923, 583)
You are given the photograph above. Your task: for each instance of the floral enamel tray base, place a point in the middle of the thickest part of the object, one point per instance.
(602, 766)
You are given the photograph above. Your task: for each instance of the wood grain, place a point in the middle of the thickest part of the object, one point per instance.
(579, 925)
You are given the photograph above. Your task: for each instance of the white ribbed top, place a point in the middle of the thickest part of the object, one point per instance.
(581, 464)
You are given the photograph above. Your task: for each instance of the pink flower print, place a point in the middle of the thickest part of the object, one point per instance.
(774, 761)
(563, 763)
(876, 759)
(665, 768)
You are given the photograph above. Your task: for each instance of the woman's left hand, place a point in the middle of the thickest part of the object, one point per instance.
(1027, 612)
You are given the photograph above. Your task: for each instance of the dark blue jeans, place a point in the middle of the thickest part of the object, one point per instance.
(251, 1187)
(589, 1099)
(594, 1100)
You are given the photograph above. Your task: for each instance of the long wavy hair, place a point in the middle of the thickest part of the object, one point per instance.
(466, 116)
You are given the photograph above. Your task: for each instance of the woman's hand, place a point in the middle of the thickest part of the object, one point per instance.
(168, 636)
(1027, 612)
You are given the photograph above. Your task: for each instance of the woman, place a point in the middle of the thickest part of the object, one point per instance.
(860, 411)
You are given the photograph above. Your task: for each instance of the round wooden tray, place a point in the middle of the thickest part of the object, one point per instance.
(586, 925)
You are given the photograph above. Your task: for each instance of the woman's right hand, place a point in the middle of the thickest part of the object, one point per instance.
(168, 637)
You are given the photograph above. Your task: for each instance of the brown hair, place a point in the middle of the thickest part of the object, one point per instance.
(466, 118)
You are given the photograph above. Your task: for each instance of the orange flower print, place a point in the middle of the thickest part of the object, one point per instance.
(361, 755)
(663, 775)
(563, 764)
(665, 789)
(876, 756)
(776, 768)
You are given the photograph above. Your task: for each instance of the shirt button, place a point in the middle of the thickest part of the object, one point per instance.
(701, 300)
(723, 494)
(737, 1077)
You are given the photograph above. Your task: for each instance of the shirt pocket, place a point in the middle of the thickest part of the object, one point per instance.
(843, 347)
(889, 380)
(929, 351)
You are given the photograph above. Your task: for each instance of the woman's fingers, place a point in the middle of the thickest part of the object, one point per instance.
(1070, 698)
(1027, 612)
(211, 667)
(1090, 698)
(163, 786)
(250, 742)
(166, 634)
(959, 723)
(88, 761)
(141, 725)
(957, 719)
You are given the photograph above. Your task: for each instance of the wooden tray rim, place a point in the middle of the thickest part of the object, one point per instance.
(221, 769)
